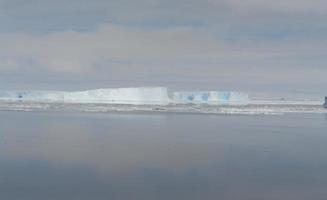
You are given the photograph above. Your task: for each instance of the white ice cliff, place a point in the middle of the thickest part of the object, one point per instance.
(137, 96)
(142, 95)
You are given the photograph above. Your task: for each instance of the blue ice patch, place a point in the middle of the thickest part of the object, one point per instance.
(205, 97)
(225, 96)
(190, 97)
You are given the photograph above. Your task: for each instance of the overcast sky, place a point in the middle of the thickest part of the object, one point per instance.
(247, 45)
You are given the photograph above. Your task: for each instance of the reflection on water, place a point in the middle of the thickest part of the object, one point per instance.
(158, 156)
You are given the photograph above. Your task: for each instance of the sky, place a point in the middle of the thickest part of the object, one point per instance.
(275, 46)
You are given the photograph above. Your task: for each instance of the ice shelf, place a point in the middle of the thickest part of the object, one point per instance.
(142, 95)
(137, 96)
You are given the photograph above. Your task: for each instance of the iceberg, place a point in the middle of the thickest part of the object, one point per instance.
(211, 97)
(154, 99)
(37, 96)
(134, 96)
(141, 95)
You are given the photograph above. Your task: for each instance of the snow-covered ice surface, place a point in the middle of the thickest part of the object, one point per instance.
(154, 99)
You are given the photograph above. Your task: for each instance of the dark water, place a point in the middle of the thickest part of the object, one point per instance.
(139, 157)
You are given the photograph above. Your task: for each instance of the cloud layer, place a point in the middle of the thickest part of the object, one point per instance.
(233, 44)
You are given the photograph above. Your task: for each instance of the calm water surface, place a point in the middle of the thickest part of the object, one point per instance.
(68, 156)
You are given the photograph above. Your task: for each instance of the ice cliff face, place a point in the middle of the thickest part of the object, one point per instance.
(142, 95)
(137, 96)
(210, 97)
(38, 96)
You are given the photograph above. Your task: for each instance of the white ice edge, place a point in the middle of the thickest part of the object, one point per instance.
(137, 96)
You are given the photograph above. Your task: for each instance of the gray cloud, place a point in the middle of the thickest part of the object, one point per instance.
(74, 51)
(50, 16)
(233, 44)
(120, 45)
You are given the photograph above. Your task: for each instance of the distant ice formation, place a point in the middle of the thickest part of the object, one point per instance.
(153, 99)
(134, 96)
(142, 95)
(37, 96)
(211, 97)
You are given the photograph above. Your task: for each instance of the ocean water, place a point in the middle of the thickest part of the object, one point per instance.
(143, 156)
